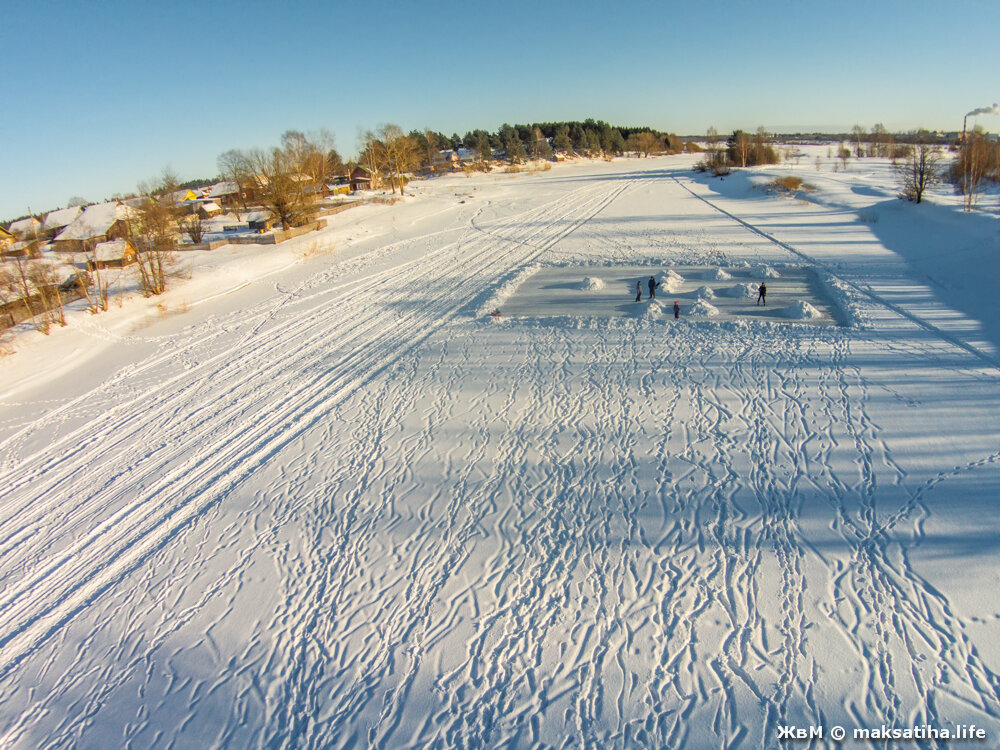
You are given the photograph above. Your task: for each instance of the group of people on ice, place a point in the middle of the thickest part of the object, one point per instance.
(653, 283)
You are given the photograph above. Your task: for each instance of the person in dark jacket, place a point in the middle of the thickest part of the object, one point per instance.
(652, 287)
(638, 291)
(762, 294)
(677, 310)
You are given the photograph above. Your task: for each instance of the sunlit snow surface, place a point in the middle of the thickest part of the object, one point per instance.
(330, 501)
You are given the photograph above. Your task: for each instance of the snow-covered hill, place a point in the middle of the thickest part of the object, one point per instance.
(331, 502)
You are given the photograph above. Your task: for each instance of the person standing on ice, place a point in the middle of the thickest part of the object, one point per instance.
(677, 310)
(652, 287)
(762, 294)
(638, 291)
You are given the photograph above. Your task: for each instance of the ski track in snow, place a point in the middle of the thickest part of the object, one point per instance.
(611, 553)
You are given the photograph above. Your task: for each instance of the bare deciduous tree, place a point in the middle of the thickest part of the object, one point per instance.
(977, 159)
(920, 169)
(235, 167)
(859, 139)
(399, 153)
(153, 233)
(194, 228)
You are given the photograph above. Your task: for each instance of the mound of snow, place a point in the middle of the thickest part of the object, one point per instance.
(703, 308)
(653, 310)
(800, 310)
(670, 283)
(766, 272)
(716, 275)
(704, 292)
(740, 290)
(592, 284)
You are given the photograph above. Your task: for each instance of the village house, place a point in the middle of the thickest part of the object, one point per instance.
(56, 221)
(362, 179)
(113, 254)
(444, 161)
(100, 223)
(28, 228)
(208, 209)
(226, 194)
(21, 249)
(6, 239)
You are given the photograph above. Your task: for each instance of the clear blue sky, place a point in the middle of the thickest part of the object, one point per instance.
(99, 96)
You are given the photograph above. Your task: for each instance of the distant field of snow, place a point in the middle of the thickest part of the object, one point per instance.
(317, 496)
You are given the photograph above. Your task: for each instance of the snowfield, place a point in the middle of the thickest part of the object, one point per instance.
(323, 499)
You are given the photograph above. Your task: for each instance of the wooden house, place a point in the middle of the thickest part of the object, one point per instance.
(100, 223)
(226, 194)
(21, 249)
(208, 209)
(29, 228)
(113, 254)
(362, 178)
(56, 221)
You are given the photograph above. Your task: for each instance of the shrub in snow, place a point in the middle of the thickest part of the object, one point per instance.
(800, 310)
(592, 284)
(703, 308)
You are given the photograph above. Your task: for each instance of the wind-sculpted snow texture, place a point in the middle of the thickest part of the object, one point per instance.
(359, 513)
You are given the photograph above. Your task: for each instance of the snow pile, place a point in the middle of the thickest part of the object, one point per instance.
(704, 292)
(800, 310)
(739, 290)
(652, 311)
(766, 272)
(716, 275)
(703, 308)
(670, 281)
(592, 284)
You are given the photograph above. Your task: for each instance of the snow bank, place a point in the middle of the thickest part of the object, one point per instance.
(702, 308)
(592, 284)
(739, 290)
(505, 290)
(800, 310)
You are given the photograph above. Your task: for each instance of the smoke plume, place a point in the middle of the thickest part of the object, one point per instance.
(994, 110)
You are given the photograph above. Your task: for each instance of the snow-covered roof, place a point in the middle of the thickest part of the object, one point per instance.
(258, 216)
(465, 154)
(220, 189)
(96, 221)
(113, 250)
(62, 218)
(24, 226)
(210, 206)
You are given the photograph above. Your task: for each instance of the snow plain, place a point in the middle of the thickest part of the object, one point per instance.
(322, 499)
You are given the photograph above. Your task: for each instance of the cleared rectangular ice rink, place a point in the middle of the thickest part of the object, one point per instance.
(794, 293)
